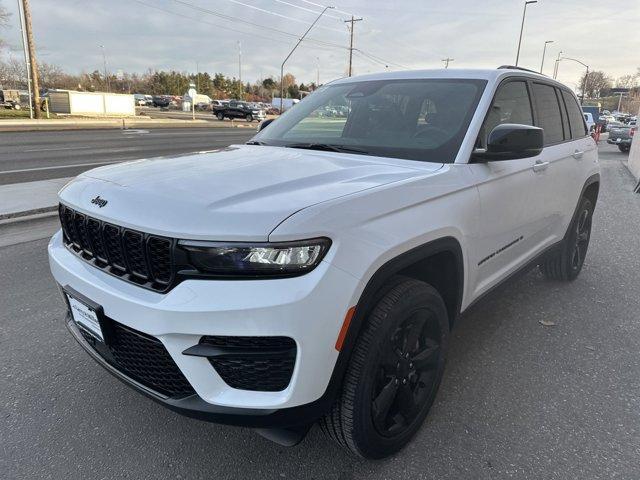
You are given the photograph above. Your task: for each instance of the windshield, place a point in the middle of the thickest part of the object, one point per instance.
(424, 119)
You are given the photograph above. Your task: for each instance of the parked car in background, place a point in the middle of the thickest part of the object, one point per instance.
(239, 110)
(622, 136)
(161, 101)
(10, 99)
(591, 124)
(139, 99)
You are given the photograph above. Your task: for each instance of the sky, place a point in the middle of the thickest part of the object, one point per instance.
(394, 34)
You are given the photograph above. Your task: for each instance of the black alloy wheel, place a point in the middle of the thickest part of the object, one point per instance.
(566, 264)
(394, 371)
(406, 373)
(581, 237)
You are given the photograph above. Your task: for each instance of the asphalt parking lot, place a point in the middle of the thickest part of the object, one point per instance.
(519, 399)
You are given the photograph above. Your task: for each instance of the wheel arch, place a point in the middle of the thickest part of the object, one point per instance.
(421, 263)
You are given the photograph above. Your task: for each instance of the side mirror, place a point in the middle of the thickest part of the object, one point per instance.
(265, 123)
(511, 141)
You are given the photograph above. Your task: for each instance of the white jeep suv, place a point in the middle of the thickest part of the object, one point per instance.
(314, 273)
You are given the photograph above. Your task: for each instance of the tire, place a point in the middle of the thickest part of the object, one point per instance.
(249, 118)
(623, 148)
(385, 397)
(17, 106)
(220, 116)
(567, 264)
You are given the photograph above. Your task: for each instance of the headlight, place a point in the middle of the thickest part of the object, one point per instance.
(255, 259)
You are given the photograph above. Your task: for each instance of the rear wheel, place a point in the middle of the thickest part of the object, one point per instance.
(623, 148)
(567, 263)
(220, 116)
(393, 374)
(17, 106)
(249, 118)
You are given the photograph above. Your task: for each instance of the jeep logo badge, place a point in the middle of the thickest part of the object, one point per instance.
(101, 202)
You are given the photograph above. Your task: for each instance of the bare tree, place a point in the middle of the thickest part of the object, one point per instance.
(629, 81)
(596, 83)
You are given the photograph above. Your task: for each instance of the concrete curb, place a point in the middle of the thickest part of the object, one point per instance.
(27, 213)
(122, 124)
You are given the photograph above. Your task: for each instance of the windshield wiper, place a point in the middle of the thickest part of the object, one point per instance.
(255, 142)
(326, 147)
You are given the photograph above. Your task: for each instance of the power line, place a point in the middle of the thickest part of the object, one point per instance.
(269, 12)
(306, 9)
(322, 6)
(253, 35)
(380, 60)
(246, 22)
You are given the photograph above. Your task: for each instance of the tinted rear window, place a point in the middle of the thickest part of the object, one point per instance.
(549, 117)
(578, 128)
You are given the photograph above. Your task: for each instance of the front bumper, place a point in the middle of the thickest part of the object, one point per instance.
(309, 309)
(621, 141)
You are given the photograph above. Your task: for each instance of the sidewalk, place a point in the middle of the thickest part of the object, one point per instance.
(30, 198)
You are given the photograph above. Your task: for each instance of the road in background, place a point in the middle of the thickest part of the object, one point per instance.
(30, 156)
(518, 399)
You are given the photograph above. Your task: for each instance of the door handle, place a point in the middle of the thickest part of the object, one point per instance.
(577, 154)
(540, 166)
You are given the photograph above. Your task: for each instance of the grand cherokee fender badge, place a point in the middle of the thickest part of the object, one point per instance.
(101, 202)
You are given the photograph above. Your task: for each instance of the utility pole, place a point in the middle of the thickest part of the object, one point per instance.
(240, 61)
(446, 61)
(352, 22)
(318, 72)
(524, 14)
(32, 58)
(26, 56)
(104, 66)
(197, 76)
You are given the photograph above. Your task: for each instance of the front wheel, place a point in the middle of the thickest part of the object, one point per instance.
(567, 264)
(623, 148)
(220, 116)
(17, 106)
(249, 118)
(394, 372)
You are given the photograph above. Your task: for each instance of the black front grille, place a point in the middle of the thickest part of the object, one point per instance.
(140, 258)
(145, 359)
(254, 363)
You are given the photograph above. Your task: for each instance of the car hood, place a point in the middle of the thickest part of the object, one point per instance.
(237, 193)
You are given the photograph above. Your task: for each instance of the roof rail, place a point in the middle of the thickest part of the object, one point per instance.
(513, 67)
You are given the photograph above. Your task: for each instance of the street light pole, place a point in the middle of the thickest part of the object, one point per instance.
(555, 67)
(586, 76)
(544, 51)
(524, 14)
(104, 64)
(291, 53)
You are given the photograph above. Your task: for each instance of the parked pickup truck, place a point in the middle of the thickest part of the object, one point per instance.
(239, 110)
(622, 136)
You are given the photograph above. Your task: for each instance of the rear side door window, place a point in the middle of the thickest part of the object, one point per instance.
(549, 117)
(511, 104)
(576, 120)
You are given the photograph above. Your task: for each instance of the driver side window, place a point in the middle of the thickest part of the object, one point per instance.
(511, 104)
